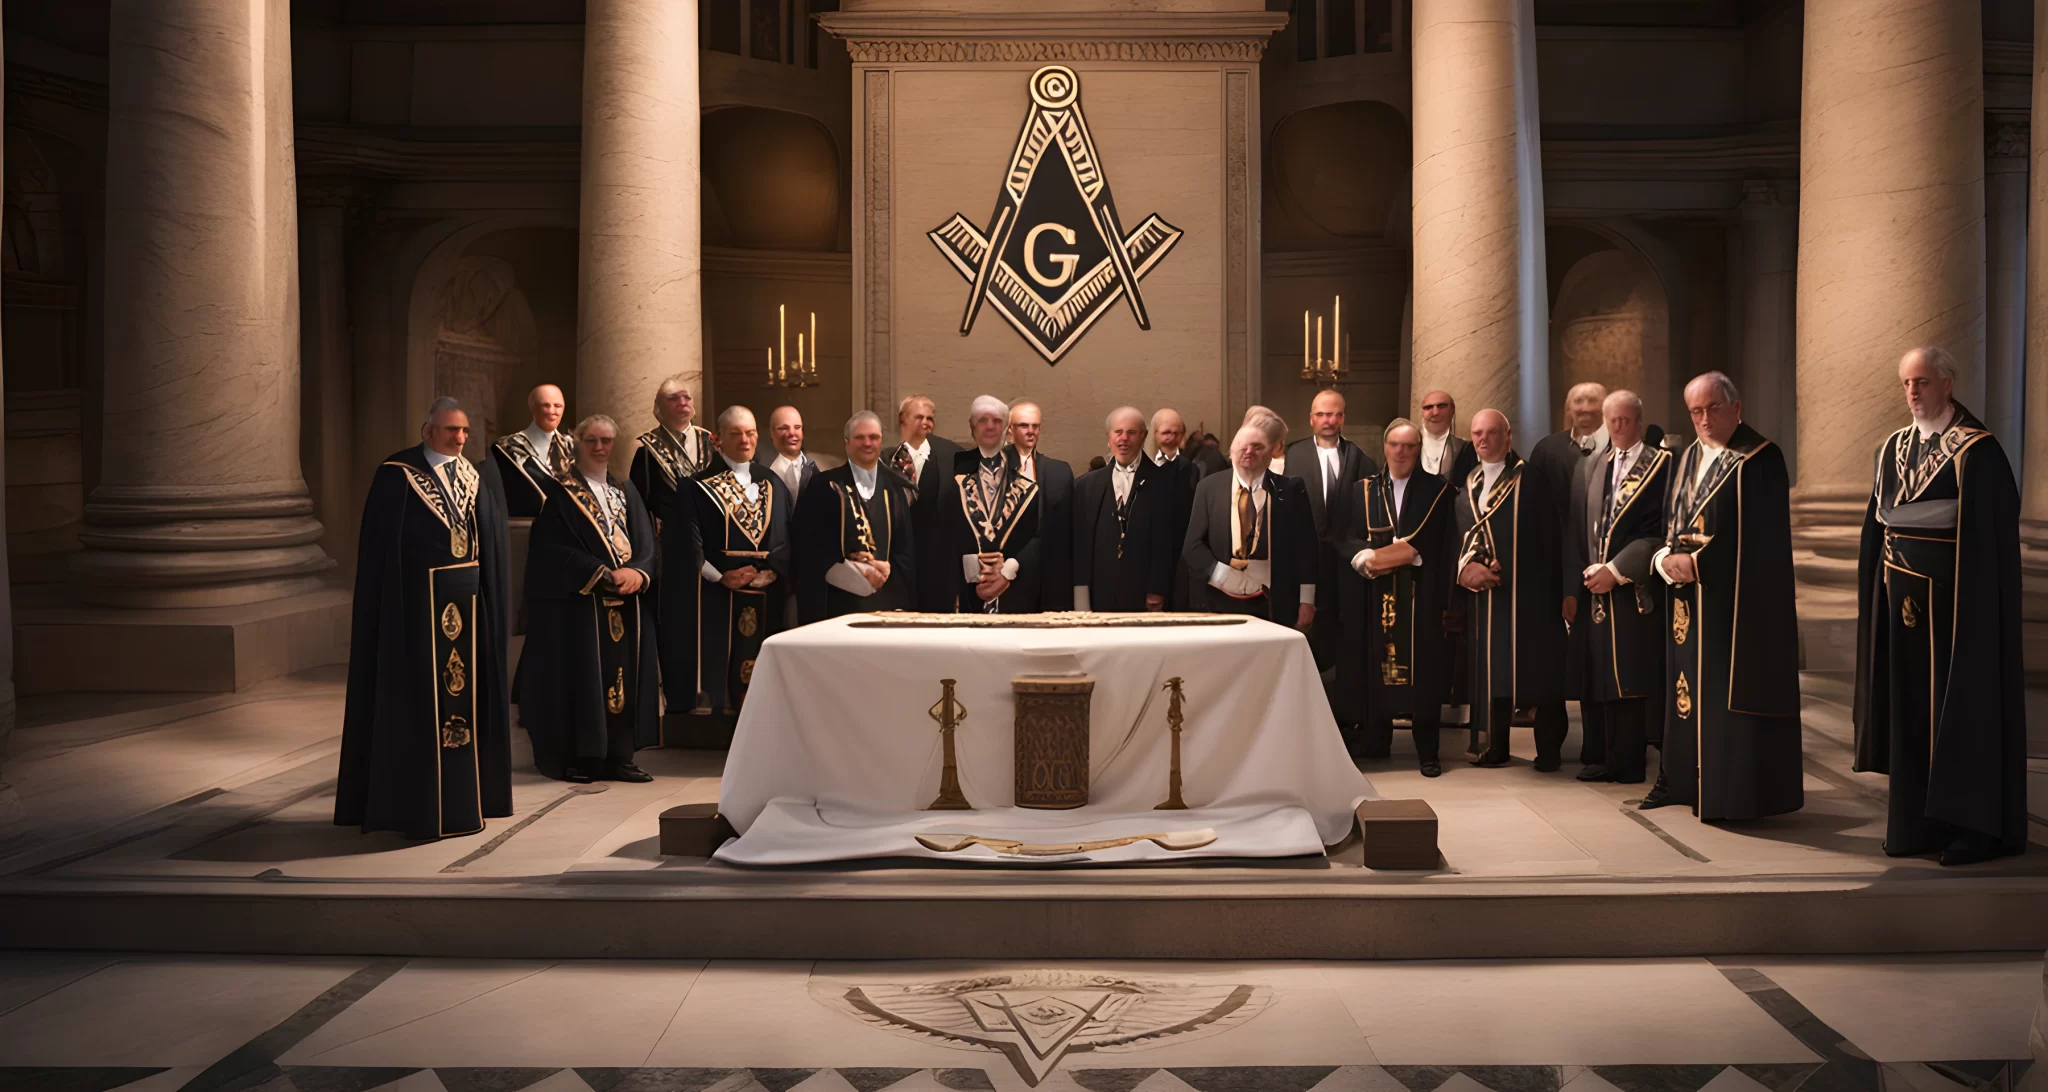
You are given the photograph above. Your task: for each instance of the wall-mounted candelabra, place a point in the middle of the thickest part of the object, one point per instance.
(1325, 371)
(798, 373)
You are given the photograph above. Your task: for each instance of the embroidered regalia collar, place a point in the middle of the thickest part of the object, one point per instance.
(678, 456)
(751, 517)
(453, 502)
(557, 463)
(607, 514)
(1381, 487)
(1503, 486)
(1912, 478)
(852, 508)
(1646, 466)
(993, 513)
(1695, 493)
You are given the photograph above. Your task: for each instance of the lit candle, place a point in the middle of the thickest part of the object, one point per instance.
(1336, 333)
(813, 371)
(1319, 344)
(799, 356)
(1306, 365)
(782, 337)
(771, 367)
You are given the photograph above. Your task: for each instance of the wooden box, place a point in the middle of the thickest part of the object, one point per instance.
(694, 830)
(1052, 740)
(1398, 834)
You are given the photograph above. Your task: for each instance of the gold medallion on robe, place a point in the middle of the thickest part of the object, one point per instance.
(1909, 613)
(1599, 610)
(617, 624)
(1390, 615)
(453, 677)
(1681, 620)
(451, 622)
(455, 733)
(1684, 690)
(458, 540)
(615, 694)
(746, 672)
(750, 623)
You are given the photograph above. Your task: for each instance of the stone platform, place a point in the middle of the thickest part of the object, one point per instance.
(162, 822)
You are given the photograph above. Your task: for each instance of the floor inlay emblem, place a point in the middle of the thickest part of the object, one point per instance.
(1036, 1018)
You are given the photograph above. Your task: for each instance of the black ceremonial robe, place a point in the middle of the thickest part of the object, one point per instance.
(1055, 478)
(1393, 660)
(1124, 552)
(665, 459)
(426, 741)
(587, 674)
(935, 589)
(834, 523)
(1515, 629)
(1731, 737)
(996, 513)
(1324, 494)
(1940, 683)
(525, 471)
(1618, 639)
(1182, 472)
(731, 532)
(1285, 538)
(1453, 465)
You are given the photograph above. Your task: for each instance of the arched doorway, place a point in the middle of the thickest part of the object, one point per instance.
(1610, 319)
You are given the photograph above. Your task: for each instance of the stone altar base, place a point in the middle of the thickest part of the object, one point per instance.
(84, 648)
(174, 823)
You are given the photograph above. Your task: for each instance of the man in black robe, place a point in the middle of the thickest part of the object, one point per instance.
(994, 549)
(1450, 457)
(1616, 524)
(1940, 682)
(740, 526)
(926, 462)
(669, 455)
(1731, 737)
(1396, 545)
(1183, 470)
(1251, 537)
(1055, 479)
(529, 458)
(1559, 458)
(853, 544)
(588, 696)
(426, 734)
(1508, 560)
(1330, 466)
(1123, 542)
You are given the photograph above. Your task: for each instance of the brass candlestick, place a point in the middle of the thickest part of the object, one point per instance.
(949, 713)
(1173, 718)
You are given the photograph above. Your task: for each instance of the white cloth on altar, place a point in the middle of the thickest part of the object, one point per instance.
(836, 740)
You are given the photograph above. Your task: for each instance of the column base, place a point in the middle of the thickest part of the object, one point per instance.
(198, 649)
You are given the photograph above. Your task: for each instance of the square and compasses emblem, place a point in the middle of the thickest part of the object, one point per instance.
(1054, 255)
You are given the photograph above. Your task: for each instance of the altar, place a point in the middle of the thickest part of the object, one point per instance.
(840, 751)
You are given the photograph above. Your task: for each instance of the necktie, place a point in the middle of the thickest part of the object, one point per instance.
(1329, 477)
(991, 462)
(1247, 523)
(1613, 481)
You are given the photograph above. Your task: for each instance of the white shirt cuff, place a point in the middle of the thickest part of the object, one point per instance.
(1081, 597)
(1010, 568)
(1361, 561)
(1308, 595)
(1618, 578)
(711, 574)
(848, 579)
(1657, 564)
(970, 568)
(1220, 575)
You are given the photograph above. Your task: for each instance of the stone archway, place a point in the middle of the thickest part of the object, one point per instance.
(485, 344)
(1610, 320)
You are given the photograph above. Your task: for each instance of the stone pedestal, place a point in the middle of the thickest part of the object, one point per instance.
(1891, 256)
(640, 303)
(192, 650)
(1169, 90)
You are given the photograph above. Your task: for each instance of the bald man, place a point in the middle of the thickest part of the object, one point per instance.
(1183, 469)
(1330, 466)
(1123, 525)
(740, 524)
(1508, 560)
(536, 453)
(1055, 478)
(1557, 458)
(783, 455)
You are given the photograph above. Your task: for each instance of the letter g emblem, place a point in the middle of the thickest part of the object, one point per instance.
(1065, 262)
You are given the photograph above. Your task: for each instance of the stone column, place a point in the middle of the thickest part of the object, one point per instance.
(10, 801)
(2033, 452)
(2005, 244)
(640, 304)
(326, 446)
(200, 501)
(1770, 250)
(1891, 242)
(1467, 221)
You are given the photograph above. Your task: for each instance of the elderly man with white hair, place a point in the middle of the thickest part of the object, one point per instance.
(854, 545)
(426, 731)
(739, 528)
(669, 455)
(1940, 686)
(992, 517)
(536, 453)
(925, 459)
(1731, 734)
(588, 672)
(1123, 544)
(1252, 538)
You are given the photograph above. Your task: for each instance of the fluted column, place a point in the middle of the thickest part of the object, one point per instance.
(2005, 309)
(200, 502)
(1770, 254)
(640, 311)
(1469, 228)
(2033, 454)
(10, 801)
(1891, 240)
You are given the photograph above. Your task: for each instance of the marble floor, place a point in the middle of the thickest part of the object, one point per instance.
(150, 1023)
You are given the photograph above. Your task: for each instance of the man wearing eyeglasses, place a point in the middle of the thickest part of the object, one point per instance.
(1731, 737)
